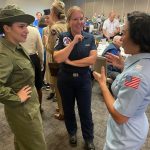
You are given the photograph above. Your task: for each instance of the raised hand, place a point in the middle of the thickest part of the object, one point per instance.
(114, 60)
(77, 38)
(25, 93)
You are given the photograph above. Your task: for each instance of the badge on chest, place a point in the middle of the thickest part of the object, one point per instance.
(66, 41)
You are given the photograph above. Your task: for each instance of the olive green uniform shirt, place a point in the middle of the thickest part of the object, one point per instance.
(16, 71)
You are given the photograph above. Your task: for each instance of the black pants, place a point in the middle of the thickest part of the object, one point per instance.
(38, 74)
(76, 87)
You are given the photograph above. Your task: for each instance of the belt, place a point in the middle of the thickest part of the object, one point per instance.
(75, 75)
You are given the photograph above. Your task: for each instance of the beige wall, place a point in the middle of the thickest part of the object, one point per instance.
(105, 6)
(89, 6)
(29, 6)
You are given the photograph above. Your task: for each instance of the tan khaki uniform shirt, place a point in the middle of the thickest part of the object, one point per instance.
(53, 33)
(55, 30)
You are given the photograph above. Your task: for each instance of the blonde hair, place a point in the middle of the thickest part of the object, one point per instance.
(58, 8)
(70, 11)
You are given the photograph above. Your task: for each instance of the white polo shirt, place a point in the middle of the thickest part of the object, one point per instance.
(109, 26)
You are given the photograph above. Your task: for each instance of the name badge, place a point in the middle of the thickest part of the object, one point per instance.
(87, 44)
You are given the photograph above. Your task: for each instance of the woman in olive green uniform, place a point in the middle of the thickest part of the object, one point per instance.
(17, 90)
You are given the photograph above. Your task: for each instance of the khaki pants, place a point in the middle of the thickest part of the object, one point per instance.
(49, 79)
(59, 101)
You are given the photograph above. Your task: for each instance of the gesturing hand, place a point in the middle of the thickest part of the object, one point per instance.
(24, 93)
(77, 38)
(114, 60)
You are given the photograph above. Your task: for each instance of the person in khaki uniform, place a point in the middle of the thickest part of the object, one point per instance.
(58, 17)
(46, 30)
(17, 89)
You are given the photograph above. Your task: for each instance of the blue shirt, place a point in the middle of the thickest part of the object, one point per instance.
(81, 49)
(41, 31)
(132, 92)
(111, 48)
(35, 23)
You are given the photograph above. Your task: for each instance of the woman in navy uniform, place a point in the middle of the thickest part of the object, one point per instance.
(76, 51)
(128, 126)
(17, 86)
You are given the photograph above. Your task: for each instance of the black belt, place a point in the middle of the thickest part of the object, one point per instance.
(75, 74)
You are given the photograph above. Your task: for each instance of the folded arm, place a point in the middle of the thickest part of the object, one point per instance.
(63, 54)
(87, 61)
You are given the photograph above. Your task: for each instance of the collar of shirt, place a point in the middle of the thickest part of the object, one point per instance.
(134, 58)
(9, 44)
(111, 21)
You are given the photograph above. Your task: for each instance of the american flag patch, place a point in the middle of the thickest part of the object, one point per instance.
(132, 82)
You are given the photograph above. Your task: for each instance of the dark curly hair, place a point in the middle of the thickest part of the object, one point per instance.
(139, 30)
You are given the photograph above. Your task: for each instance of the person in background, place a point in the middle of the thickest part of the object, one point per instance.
(17, 86)
(43, 23)
(111, 26)
(86, 25)
(128, 126)
(76, 51)
(113, 48)
(102, 17)
(99, 23)
(48, 80)
(94, 17)
(59, 25)
(36, 21)
(35, 49)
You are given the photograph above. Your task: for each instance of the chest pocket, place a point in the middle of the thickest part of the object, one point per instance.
(24, 70)
(83, 49)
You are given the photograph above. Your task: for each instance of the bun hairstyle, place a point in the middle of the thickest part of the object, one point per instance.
(70, 11)
(59, 9)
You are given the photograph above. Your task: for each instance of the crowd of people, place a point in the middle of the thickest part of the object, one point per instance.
(56, 49)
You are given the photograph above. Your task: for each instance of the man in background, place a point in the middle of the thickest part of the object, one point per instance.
(38, 17)
(111, 26)
(113, 48)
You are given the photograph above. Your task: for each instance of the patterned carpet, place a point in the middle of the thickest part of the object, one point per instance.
(55, 132)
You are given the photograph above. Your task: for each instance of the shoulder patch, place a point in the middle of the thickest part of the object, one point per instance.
(66, 41)
(57, 41)
(132, 82)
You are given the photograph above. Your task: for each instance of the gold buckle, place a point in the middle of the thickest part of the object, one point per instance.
(75, 74)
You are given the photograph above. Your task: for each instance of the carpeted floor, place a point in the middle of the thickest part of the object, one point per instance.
(55, 132)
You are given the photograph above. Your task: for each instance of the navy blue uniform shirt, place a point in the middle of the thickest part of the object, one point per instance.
(81, 49)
